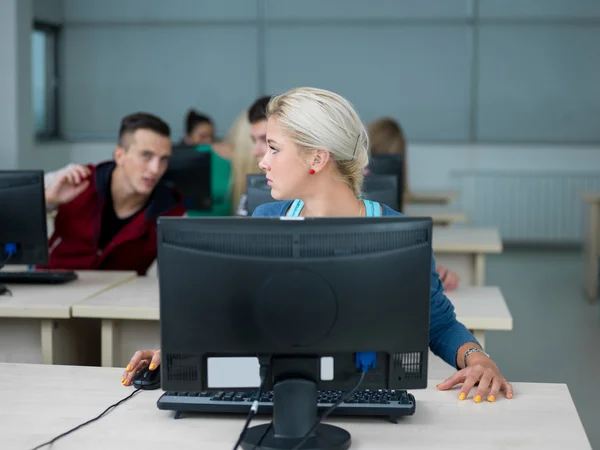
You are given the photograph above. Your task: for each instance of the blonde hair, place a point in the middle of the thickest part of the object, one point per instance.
(387, 138)
(243, 161)
(317, 119)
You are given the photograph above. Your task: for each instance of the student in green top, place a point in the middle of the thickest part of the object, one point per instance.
(200, 134)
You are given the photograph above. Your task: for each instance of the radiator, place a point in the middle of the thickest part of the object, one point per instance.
(526, 206)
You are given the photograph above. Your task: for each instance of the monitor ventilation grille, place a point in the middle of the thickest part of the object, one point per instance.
(344, 244)
(313, 245)
(411, 364)
(246, 244)
(181, 367)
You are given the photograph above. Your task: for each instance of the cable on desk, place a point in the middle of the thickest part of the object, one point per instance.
(264, 368)
(106, 411)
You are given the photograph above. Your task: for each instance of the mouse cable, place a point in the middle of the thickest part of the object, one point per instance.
(106, 411)
(264, 367)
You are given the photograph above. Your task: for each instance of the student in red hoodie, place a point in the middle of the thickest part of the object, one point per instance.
(107, 213)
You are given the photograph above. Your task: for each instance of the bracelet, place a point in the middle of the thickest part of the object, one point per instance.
(473, 350)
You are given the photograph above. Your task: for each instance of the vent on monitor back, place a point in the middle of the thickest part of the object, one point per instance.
(182, 367)
(237, 244)
(359, 243)
(410, 364)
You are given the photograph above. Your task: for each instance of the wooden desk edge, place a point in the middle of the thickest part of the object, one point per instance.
(35, 312)
(115, 313)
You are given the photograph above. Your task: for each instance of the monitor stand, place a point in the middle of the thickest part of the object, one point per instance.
(295, 412)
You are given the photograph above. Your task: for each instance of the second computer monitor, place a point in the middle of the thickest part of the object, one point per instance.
(189, 172)
(389, 165)
(23, 231)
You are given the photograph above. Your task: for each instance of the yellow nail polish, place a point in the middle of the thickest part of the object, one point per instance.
(491, 398)
(152, 366)
(128, 368)
(462, 396)
(477, 398)
(509, 395)
(122, 379)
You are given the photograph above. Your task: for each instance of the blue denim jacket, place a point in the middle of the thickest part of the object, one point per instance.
(446, 334)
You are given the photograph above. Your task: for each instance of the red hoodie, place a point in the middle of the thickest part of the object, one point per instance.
(74, 244)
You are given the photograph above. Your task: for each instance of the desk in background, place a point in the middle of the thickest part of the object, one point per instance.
(430, 197)
(591, 244)
(463, 250)
(41, 402)
(441, 215)
(36, 324)
(130, 316)
(481, 309)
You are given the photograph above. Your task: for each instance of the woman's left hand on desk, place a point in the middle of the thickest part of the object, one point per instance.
(484, 371)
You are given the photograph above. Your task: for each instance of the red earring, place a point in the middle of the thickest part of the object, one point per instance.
(311, 171)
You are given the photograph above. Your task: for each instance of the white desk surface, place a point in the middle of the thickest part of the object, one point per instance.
(55, 301)
(431, 197)
(439, 213)
(137, 299)
(466, 240)
(40, 402)
(481, 308)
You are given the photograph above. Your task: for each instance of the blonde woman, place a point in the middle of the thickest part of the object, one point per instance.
(318, 150)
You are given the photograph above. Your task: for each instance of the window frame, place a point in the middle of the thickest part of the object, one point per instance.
(52, 130)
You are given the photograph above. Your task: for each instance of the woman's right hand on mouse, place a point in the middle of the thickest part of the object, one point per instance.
(140, 360)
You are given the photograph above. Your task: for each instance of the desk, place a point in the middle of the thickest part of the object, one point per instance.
(441, 215)
(591, 244)
(36, 319)
(481, 309)
(40, 402)
(430, 197)
(463, 250)
(130, 316)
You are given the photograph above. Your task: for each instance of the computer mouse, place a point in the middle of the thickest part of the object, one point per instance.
(147, 379)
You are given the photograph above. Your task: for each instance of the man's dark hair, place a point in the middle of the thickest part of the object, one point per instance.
(141, 121)
(194, 118)
(258, 110)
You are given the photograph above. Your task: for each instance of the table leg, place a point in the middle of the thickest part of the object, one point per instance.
(479, 269)
(592, 251)
(69, 341)
(480, 336)
(109, 338)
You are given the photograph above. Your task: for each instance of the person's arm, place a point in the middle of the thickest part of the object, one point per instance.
(49, 179)
(450, 339)
(446, 334)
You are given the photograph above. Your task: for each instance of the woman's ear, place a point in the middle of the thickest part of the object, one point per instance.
(320, 160)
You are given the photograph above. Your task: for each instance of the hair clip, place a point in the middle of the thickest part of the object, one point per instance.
(355, 146)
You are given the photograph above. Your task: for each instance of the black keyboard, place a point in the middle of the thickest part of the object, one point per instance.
(37, 277)
(364, 403)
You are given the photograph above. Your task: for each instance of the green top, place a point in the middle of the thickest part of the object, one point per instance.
(220, 174)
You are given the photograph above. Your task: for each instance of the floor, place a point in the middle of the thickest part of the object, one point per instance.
(556, 336)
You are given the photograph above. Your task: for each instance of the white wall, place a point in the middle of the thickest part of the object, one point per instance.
(16, 110)
(48, 11)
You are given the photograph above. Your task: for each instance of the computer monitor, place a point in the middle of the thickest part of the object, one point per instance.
(258, 191)
(389, 165)
(189, 173)
(295, 290)
(23, 232)
(382, 189)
